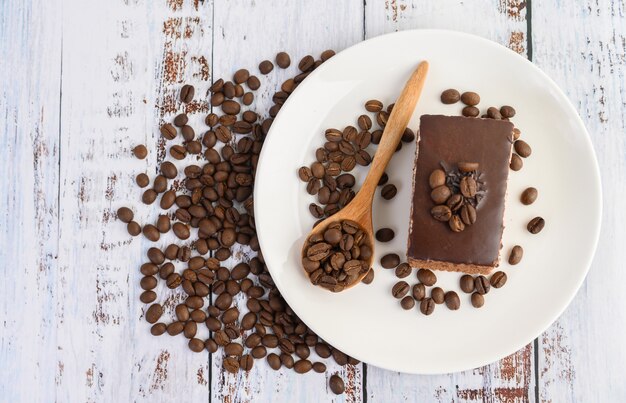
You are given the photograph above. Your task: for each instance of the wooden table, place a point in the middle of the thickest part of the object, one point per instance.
(82, 81)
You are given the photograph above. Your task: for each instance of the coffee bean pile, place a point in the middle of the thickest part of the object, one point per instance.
(456, 194)
(336, 258)
(208, 206)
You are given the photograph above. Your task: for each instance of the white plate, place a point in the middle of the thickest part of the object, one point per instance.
(366, 322)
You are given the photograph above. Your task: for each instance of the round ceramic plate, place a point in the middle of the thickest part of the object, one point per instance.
(366, 322)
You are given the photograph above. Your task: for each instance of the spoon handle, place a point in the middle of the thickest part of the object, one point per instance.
(397, 123)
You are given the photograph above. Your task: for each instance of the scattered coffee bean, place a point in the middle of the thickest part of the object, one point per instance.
(168, 131)
(477, 300)
(181, 120)
(186, 93)
(516, 133)
(384, 235)
(426, 277)
(133, 228)
(441, 213)
(450, 96)
(419, 291)
(390, 260)
(142, 180)
(403, 270)
(516, 162)
(373, 105)
(494, 113)
(470, 111)
(336, 385)
(125, 214)
(154, 313)
(468, 214)
(516, 255)
(151, 232)
(437, 295)
(467, 167)
(265, 67)
(536, 225)
(467, 283)
(470, 98)
(440, 194)
(400, 289)
(407, 302)
(452, 300)
(427, 306)
(522, 148)
(482, 285)
(283, 60)
(389, 191)
(498, 279)
(274, 361)
(140, 151)
(529, 195)
(437, 178)
(507, 111)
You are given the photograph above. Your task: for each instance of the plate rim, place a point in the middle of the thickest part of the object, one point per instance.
(597, 192)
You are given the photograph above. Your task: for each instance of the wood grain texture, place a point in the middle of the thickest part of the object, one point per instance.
(271, 27)
(30, 81)
(582, 46)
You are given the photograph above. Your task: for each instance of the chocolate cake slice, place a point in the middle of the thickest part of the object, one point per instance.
(457, 213)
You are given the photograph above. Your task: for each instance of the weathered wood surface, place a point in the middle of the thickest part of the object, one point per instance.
(81, 82)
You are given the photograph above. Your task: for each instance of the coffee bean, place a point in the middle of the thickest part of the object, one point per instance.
(529, 195)
(536, 225)
(373, 105)
(231, 107)
(389, 191)
(482, 285)
(407, 302)
(522, 148)
(452, 300)
(369, 277)
(516, 255)
(140, 151)
(241, 76)
(133, 228)
(151, 232)
(142, 180)
(168, 131)
(181, 230)
(400, 289)
(498, 279)
(384, 235)
(265, 67)
(456, 224)
(467, 283)
(468, 186)
(377, 136)
(306, 63)
(181, 120)
(477, 300)
(427, 306)
(231, 365)
(283, 60)
(450, 96)
(437, 295)
(440, 194)
(408, 136)
(470, 98)
(186, 93)
(175, 328)
(274, 361)
(516, 133)
(437, 178)
(507, 111)
(233, 349)
(158, 329)
(125, 214)
(364, 122)
(336, 385)
(455, 202)
(494, 113)
(302, 366)
(467, 167)
(223, 301)
(470, 111)
(441, 213)
(178, 152)
(190, 330)
(339, 357)
(516, 162)
(419, 291)
(318, 170)
(147, 296)
(403, 270)
(153, 313)
(426, 277)
(468, 214)
(390, 260)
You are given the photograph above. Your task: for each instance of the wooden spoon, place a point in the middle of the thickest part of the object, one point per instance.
(360, 208)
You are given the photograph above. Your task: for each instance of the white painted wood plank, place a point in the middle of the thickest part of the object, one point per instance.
(30, 81)
(123, 60)
(261, 30)
(512, 378)
(582, 47)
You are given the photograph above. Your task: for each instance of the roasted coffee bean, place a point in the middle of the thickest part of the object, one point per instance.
(516, 133)
(318, 170)
(230, 107)
(437, 178)
(151, 232)
(339, 357)
(389, 191)
(419, 291)
(377, 136)
(373, 105)
(258, 351)
(437, 295)
(181, 120)
(160, 184)
(407, 302)
(163, 223)
(522, 148)
(450, 96)
(441, 213)
(408, 136)
(400, 289)
(306, 63)
(327, 54)
(456, 224)
(241, 76)
(364, 122)
(142, 180)
(498, 279)
(302, 350)
(213, 324)
(516, 255)
(516, 162)
(158, 329)
(467, 283)
(477, 300)
(283, 60)
(274, 361)
(381, 118)
(403, 270)
(168, 170)
(302, 366)
(246, 362)
(181, 230)
(231, 364)
(467, 166)
(147, 297)
(168, 131)
(440, 194)
(270, 340)
(427, 306)
(140, 151)
(217, 86)
(149, 196)
(223, 301)
(153, 313)
(178, 152)
(470, 98)
(149, 269)
(390, 260)
(186, 93)
(230, 315)
(470, 111)
(305, 174)
(190, 330)
(384, 235)
(529, 195)
(223, 134)
(452, 300)
(507, 111)
(482, 285)
(536, 225)
(336, 385)
(233, 349)
(468, 187)
(468, 214)
(125, 214)
(369, 277)
(217, 99)
(426, 277)
(494, 113)
(265, 67)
